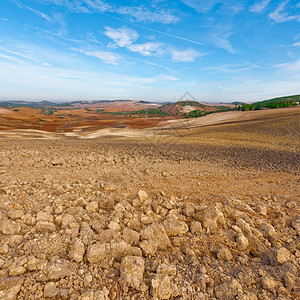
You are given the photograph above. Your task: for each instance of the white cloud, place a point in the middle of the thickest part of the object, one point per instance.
(39, 13)
(201, 6)
(223, 43)
(206, 6)
(291, 67)
(279, 16)
(167, 77)
(138, 13)
(260, 6)
(147, 49)
(185, 55)
(11, 58)
(297, 44)
(142, 14)
(97, 5)
(26, 56)
(123, 36)
(107, 57)
(3, 19)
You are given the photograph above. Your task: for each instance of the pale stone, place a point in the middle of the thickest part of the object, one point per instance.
(77, 251)
(196, 227)
(44, 216)
(57, 271)
(156, 234)
(142, 195)
(279, 255)
(268, 283)
(242, 242)
(120, 249)
(175, 227)
(164, 269)
(92, 207)
(228, 290)
(132, 270)
(189, 209)
(130, 236)
(44, 226)
(162, 288)
(16, 270)
(10, 287)
(224, 254)
(9, 227)
(96, 252)
(15, 214)
(50, 290)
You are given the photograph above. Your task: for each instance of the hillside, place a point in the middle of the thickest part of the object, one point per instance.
(184, 108)
(294, 98)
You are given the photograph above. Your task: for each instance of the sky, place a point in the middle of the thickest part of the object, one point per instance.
(155, 50)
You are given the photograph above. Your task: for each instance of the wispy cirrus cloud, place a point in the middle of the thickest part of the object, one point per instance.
(20, 55)
(106, 57)
(223, 43)
(35, 11)
(204, 6)
(201, 6)
(184, 55)
(280, 16)
(291, 67)
(220, 37)
(143, 14)
(167, 77)
(39, 13)
(10, 58)
(259, 6)
(135, 13)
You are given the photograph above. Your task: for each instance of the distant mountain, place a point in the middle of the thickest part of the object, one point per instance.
(43, 104)
(237, 103)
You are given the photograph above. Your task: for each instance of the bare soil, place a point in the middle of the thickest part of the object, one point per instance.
(197, 210)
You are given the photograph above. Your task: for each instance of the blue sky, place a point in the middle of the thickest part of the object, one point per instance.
(219, 50)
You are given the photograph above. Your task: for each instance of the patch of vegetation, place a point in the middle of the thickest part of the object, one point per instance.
(48, 111)
(151, 112)
(191, 103)
(294, 98)
(267, 104)
(201, 113)
(245, 107)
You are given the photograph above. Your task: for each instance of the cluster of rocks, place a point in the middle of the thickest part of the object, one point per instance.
(70, 230)
(147, 247)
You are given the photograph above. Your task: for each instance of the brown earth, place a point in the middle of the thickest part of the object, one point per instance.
(204, 209)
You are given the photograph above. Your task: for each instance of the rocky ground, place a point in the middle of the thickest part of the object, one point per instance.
(120, 220)
(193, 213)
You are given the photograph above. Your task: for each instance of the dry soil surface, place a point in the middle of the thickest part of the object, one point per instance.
(205, 212)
